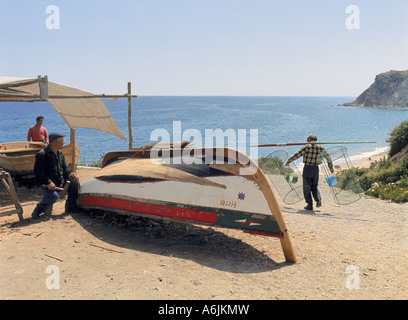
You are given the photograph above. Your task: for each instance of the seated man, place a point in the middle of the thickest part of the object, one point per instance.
(51, 171)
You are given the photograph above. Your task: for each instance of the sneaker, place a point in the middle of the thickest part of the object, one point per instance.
(48, 211)
(309, 207)
(318, 204)
(35, 215)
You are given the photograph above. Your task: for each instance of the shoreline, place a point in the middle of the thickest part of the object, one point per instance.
(364, 160)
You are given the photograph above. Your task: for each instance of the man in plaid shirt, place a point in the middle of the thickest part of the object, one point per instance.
(311, 160)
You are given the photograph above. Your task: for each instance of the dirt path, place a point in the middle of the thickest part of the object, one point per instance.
(358, 251)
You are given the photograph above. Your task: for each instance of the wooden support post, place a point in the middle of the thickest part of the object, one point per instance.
(72, 141)
(8, 183)
(43, 84)
(130, 116)
(286, 242)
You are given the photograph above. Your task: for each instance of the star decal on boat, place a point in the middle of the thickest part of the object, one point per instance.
(248, 222)
(241, 196)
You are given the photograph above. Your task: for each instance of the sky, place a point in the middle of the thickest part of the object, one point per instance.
(206, 47)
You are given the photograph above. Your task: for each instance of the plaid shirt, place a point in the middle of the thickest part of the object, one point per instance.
(310, 153)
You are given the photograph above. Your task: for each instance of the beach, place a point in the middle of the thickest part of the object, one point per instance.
(351, 252)
(365, 159)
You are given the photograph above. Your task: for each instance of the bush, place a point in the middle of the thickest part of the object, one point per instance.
(393, 191)
(273, 165)
(384, 179)
(97, 163)
(398, 138)
(346, 179)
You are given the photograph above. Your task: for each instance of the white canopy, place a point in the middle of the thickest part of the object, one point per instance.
(78, 108)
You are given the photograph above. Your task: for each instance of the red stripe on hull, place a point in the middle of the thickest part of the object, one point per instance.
(150, 208)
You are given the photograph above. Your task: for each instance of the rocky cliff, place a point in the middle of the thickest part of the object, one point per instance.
(390, 90)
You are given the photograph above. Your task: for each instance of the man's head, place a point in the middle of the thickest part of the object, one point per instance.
(311, 138)
(56, 139)
(39, 119)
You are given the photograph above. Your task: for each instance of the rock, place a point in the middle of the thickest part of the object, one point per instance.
(390, 90)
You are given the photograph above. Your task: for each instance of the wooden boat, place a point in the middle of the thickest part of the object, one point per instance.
(216, 189)
(18, 158)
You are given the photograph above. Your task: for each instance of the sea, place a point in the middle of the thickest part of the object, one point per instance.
(239, 122)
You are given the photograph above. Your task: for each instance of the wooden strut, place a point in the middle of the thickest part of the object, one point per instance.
(304, 143)
(286, 242)
(72, 140)
(8, 184)
(36, 97)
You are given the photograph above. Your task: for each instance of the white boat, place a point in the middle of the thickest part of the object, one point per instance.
(223, 187)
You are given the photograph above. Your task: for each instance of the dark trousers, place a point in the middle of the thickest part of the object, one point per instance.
(310, 183)
(51, 196)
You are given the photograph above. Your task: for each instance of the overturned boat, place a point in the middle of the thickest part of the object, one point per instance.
(210, 186)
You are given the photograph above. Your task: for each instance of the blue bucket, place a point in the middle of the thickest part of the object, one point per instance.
(331, 180)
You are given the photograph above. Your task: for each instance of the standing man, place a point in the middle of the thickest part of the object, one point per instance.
(37, 132)
(311, 160)
(51, 171)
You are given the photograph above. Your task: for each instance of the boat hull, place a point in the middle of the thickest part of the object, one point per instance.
(221, 187)
(18, 158)
(239, 206)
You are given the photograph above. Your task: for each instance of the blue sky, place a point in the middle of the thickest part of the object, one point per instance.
(206, 47)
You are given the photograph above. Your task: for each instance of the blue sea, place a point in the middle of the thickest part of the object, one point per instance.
(274, 119)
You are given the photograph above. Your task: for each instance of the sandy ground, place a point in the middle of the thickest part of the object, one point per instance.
(357, 251)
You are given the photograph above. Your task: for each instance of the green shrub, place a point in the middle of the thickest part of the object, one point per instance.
(346, 179)
(273, 165)
(398, 138)
(393, 191)
(97, 163)
(384, 179)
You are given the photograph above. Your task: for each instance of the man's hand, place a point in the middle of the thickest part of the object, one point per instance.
(287, 164)
(74, 177)
(51, 186)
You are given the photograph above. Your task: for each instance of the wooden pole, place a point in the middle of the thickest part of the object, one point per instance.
(130, 115)
(6, 180)
(73, 155)
(35, 97)
(286, 242)
(304, 143)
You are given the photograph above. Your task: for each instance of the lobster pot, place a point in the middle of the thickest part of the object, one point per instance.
(343, 183)
(287, 181)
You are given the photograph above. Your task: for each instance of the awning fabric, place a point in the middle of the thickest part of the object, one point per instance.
(78, 112)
